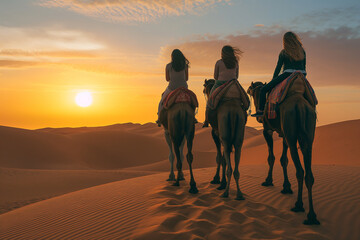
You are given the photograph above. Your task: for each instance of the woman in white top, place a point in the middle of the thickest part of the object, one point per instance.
(226, 69)
(176, 73)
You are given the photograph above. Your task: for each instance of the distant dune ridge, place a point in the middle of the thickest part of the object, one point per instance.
(42, 171)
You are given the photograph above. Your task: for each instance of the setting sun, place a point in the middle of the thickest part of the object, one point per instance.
(83, 99)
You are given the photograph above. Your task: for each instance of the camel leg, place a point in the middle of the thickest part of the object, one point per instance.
(216, 179)
(271, 158)
(309, 181)
(182, 159)
(284, 163)
(227, 151)
(223, 178)
(178, 164)
(299, 175)
(189, 157)
(239, 195)
(171, 156)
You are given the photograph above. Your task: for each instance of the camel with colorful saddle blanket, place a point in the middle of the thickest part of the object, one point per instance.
(227, 116)
(179, 95)
(296, 83)
(291, 113)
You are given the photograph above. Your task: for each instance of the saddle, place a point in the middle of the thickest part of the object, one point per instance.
(181, 95)
(229, 90)
(296, 83)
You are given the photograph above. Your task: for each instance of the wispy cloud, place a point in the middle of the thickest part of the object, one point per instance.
(330, 54)
(133, 10)
(41, 39)
(52, 54)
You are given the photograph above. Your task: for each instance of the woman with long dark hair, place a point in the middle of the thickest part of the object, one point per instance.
(226, 69)
(176, 73)
(292, 58)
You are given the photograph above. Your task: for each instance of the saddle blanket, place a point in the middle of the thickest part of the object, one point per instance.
(181, 95)
(230, 89)
(295, 83)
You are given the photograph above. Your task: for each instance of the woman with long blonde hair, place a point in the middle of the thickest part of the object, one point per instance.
(292, 58)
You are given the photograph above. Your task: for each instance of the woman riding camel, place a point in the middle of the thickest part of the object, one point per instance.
(226, 69)
(177, 74)
(292, 58)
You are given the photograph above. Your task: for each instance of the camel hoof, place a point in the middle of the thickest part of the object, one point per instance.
(193, 190)
(267, 184)
(239, 197)
(311, 220)
(287, 191)
(181, 176)
(216, 180)
(298, 209)
(176, 184)
(225, 195)
(171, 177)
(222, 186)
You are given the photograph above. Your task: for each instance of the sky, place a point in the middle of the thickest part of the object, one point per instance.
(118, 49)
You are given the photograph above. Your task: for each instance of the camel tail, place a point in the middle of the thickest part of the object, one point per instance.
(182, 126)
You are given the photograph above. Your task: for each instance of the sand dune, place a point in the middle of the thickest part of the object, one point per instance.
(43, 172)
(149, 208)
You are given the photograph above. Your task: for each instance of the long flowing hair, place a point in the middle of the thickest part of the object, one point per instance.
(178, 60)
(230, 55)
(293, 46)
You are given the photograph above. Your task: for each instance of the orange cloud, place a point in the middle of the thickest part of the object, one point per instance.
(330, 54)
(55, 54)
(133, 10)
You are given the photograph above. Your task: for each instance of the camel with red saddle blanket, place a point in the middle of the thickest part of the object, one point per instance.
(178, 119)
(290, 111)
(227, 119)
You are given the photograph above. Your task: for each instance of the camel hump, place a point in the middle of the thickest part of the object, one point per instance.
(229, 90)
(296, 83)
(179, 95)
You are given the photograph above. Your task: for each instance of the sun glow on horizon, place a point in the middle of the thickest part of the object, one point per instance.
(83, 99)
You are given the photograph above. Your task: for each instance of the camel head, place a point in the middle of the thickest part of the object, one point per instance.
(208, 84)
(254, 91)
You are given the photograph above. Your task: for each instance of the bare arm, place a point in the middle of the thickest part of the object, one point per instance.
(237, 71)
(216, 71)
(167, 73)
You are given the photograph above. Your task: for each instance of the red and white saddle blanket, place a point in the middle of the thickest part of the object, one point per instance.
(230, 89)
(295, 83)
(180, 95)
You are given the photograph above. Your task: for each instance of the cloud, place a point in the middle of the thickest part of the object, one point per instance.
(52, 54)
(332, 54)
(17, 64)
(133, 10)
(41, 39)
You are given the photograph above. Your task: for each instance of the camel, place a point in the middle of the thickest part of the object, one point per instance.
(269, 126)
(180, 124)
(296, 122)
(228, 128)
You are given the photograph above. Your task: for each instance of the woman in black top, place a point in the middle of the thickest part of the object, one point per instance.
(292, 58)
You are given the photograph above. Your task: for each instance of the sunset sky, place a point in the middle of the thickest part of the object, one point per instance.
(117, 50)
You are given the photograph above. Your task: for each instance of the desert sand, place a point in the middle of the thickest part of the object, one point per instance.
(109, 183)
